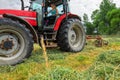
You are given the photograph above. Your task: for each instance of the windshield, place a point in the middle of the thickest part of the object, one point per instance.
(38, 1)
(36, 5)
(59, 8)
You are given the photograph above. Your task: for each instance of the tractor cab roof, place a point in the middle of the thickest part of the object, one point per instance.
(56, 2)
(48, 2)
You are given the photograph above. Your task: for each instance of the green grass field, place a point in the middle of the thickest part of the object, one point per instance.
(92, 63)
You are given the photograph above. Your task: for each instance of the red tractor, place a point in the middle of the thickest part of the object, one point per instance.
(20, 29)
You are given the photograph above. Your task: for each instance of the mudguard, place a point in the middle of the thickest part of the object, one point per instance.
(62, 18)
(28, 25)
(29, 16)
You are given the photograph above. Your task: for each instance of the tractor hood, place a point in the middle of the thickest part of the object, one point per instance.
(29, 16)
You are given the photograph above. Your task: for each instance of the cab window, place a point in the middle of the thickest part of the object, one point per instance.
(59, 8)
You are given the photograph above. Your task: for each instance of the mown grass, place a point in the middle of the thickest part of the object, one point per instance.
(91, 64)
(106, 67)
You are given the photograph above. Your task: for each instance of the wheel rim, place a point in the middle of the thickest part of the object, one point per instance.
(12, 44)
(75, 36)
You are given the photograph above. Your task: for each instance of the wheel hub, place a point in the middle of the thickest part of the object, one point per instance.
(73, 36)
(6, 45)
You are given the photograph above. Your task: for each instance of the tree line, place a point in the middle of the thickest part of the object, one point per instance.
(105, 20)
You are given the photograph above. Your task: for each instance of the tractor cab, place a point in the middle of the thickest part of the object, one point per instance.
(45, 20)
(48, 23)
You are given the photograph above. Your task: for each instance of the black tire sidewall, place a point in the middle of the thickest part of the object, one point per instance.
(78, 23)
(26, 36)
(62, 37)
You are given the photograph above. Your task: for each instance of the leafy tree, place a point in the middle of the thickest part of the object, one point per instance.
(88, 25)
(99, 16)
(94, 14)
(85, 18)
(106, 20)
(113, 18)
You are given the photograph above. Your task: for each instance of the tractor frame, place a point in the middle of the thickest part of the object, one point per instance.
(20, 29)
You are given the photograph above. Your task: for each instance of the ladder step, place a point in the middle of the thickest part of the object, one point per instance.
(50, 33)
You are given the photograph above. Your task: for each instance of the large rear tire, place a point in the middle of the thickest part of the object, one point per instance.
(71, 36)
(16, 42)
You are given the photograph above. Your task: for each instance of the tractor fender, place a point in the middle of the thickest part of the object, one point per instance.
(28, 25)
(62, 18)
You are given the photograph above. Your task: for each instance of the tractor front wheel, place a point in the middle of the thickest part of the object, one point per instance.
(71, 36)
(16, 42)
